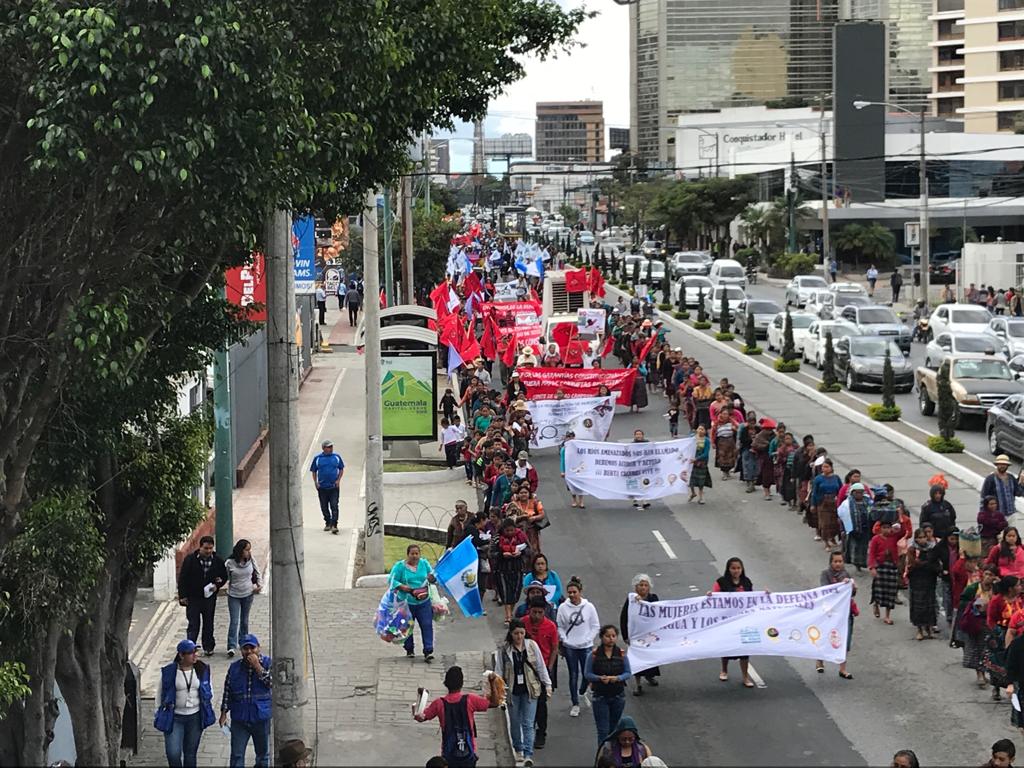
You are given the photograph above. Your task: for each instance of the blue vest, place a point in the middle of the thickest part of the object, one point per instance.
(164, 718)
(249, 698)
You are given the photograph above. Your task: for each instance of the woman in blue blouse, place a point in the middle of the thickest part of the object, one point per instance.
(409, 579)
(824, 489)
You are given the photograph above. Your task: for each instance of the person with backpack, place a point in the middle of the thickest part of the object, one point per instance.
(455, 711)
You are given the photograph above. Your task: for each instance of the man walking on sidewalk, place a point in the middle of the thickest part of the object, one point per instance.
(247, 696)
(896, 283)
(328, 469)
(202, 575)
(321, 303)
(353, 300)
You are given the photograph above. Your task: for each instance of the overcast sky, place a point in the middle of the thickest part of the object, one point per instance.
(597, 71)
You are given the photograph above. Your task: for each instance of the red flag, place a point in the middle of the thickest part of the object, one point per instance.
(450, 330)
(573, 354)
(596, 283)
(563, 333)
(471, 284)
(508, 357)
(383, 299)
(439, 296)
(644, 350)
(470, 348)
(609, 344)
(487, 342)
(534, 296)
(576, 281)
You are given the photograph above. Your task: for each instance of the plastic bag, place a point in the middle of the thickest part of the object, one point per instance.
(394, 621)
(438, 604)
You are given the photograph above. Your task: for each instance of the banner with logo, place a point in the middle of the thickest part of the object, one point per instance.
(629, 470)
(590, 322)
(519, 320)
(408, 395)
(589, 418)
(507, 291)
(813, 624)
(543, 383)
(246, 288)
(304, 254)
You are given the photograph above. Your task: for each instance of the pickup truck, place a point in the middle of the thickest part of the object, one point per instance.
(978, 382)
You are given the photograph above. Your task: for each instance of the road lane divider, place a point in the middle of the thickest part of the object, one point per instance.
(664, 545)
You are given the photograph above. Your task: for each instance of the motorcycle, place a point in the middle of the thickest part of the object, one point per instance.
(920, 331)
(751, 271)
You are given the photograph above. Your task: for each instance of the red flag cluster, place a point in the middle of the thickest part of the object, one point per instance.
(580, 280)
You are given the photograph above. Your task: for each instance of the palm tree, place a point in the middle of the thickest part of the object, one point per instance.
(873, 241)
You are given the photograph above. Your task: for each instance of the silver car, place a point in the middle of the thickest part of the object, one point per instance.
(949, 343)
(800, 287)
(1009, 331)
(762, 310)
(713, 301)
(876, 320)
(692, 287)
(688, 263)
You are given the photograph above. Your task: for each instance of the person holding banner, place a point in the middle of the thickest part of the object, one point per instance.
(607, 670)
(577, 498)
(834, 574)
(734, 580)
(642, 589)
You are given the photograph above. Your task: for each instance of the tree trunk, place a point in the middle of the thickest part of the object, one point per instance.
(26, 732)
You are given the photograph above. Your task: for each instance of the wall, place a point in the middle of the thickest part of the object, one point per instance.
(248, 364)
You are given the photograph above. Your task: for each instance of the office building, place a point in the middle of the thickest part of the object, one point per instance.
(570, 131)
(706, 55)
(439, 157)
(909, 33)
(978, 65)
(618, 138)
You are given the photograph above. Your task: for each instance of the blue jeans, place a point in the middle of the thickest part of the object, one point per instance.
(238, 619)
(607, 711)
(522, 710)
(424, 616)
(576, 658)
(329, 504)
(241, 731)
(182, 743)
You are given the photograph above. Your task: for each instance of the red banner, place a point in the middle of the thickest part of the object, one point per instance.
(246, 286)
(520, 320)
(542, 383)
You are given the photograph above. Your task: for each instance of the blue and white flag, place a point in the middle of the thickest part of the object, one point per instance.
(457, 571)
(454, 359)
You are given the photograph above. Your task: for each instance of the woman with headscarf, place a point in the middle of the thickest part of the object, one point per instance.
(734, 580)
(921, 571)
(748, 459)
(824, 489)
(971, 622)
(834, 574)
(855, 513)
(642, 585)
(939, 512)
(700, 478)
(724, 437)
(623, 747)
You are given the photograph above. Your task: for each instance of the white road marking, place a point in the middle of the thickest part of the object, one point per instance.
(758, 680)
(323, 418)
(664, 545)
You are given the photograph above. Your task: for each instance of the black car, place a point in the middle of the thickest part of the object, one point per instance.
(1004, 425)
(860, 362)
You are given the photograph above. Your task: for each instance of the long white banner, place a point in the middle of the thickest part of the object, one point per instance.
(811, 625)
(629, 470)
(589, 418)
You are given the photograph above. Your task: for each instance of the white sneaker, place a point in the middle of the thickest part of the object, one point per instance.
(528, 762)
(574, 711)
(519, 757)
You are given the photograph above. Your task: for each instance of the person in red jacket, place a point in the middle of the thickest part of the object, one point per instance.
(453, 681)
(883, 556)
(526, 471)
(544, 632)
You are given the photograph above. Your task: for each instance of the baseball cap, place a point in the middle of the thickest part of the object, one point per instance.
(857, 487)
(524, 455)
(250, 640)
(186, 646)
(535, 585)
(326, 444)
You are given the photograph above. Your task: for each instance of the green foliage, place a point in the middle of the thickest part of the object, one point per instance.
(701, 325)
(664, 306)
(888, 383)
(724, 336)
(745, 253)
(755, 350)
(828, 376)
(701, 206)
(882, 412)
(873, 242)
(834, 387)
(571, 214)
(749, 332)
(941, 444)
(681, 315)
(788, 345)
(787, 366)
(13, 685)
(948, 412)
(351, 259)
(793, 264)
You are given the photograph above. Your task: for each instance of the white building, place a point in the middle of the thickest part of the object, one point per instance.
(547, 185)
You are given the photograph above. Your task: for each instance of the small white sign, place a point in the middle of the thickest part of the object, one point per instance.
(912, 234)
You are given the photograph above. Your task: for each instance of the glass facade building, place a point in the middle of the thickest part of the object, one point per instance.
(910, 49)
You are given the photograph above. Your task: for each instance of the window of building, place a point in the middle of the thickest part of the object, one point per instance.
(947, 81)
(1011, 91)
(943, 6)
(1011, 5)
(949, 57)
(1011, 30)
(1011, 61)
(948, 107)
(948, 31)
(1010, 121)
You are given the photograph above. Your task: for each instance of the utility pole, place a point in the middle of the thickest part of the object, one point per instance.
(373, 533)
(825, 234)
(925, 239)
(223, 481)
(389, 267)
(407, 254)
(288, 625)
(791, 196)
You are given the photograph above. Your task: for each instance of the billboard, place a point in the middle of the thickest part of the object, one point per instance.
(408, 389)
(246, 288)
(304, 253)
(860, 66)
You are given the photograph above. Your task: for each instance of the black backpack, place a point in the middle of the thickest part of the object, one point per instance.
(457, 737)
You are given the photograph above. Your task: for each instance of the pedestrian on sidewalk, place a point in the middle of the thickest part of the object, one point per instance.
(247, 697)
(455, 712)
(1004, 486)
(201, 577)
(451, 441)
(409, 579)
(294, 753)
(184, 705)
(328, 469)
(342, 290)
(872, 276)
(833, 269)
(525, 674)
(544, 633)
(353, 300)
(578, 625)
(607, 671)
(244, 581)
(460, 525)
(896, 283)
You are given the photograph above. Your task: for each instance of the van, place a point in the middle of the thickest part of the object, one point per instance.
(728, 272)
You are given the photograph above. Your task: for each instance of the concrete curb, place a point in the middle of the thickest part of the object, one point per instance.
(922, 452)
(430, 477)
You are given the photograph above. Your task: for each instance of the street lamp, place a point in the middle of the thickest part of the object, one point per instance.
(925, 246)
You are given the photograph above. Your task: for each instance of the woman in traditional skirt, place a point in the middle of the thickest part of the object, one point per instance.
(701, 477)
(784, 458)
(1015, 677)
(836, 573)
(508, 574)
(724, 438)
(970, 625)
(882, 557)
(857, 517)
(702, 398)
(759, 447)
(639, 389)
(921, 571)
(824, 489)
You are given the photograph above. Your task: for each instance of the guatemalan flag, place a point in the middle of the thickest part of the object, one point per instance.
(457, 571)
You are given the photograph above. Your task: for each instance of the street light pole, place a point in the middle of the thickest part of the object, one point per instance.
(826, 245)
(373, 531)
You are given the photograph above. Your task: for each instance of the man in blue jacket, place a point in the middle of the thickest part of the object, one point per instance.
(328, 469)
(247, 696)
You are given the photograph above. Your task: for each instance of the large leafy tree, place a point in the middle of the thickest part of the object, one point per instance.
(143, 146)
(873, 242)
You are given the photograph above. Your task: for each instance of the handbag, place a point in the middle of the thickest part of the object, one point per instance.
(970, 622)
(164, 719)
(541, 524)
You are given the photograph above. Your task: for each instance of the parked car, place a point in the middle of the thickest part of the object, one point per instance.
(801, 322)
(943, 274)
(713, 301)
(1004, 426)
(969, 318)
(860, 361)
(824, 303)
(1009, 331)
(688, 263)
(814, 344)
(946, 344)
(978, 382)
(628, 262)
(875, 320)
(762, 310)
(800, 288)
(657, 271)
(692, 286)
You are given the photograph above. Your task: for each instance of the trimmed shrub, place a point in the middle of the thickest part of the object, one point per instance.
(882, 412)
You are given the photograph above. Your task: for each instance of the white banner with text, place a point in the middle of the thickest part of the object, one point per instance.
(589, 418)
(629, 470)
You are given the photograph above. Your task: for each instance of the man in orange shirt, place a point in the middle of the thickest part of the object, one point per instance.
(544, 632)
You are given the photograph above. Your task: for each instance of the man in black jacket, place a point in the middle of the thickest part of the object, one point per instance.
(202, 575)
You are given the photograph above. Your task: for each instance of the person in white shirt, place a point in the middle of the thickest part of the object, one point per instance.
(321, 302)
(872, 276)
(342, 290)
(481, 372)
(450, 442)
(578, 625)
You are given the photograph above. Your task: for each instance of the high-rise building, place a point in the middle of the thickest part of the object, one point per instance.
(439, 157)
(978, 66)
(705, 55)
(909, 42)
(570, 131)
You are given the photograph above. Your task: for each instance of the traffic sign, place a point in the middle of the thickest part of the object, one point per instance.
(912, 234)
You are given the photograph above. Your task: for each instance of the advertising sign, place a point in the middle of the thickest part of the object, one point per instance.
(304, 254)
(246, 286)
(629, 470)
(408, 395)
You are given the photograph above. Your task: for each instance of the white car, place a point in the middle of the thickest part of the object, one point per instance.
(814, 344)
(688, 263)
(713, 301)
(847, 288)
(801, 322)
(800, 287)
(586, 237)
(693, 287)
(1009, 331)
(967, 318)
(657, 271)
(945, 344)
